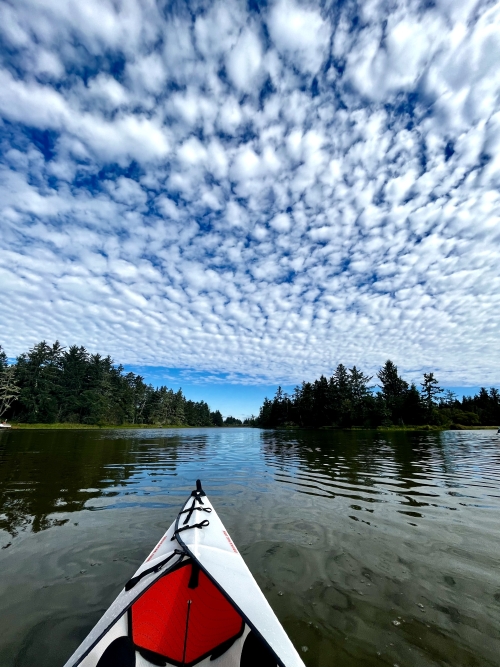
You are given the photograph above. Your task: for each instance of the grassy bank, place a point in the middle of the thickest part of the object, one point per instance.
(420, 427)
(97, 427)
(428, 427)
(461, 427)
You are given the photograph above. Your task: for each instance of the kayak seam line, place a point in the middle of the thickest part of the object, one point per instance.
(228, 597)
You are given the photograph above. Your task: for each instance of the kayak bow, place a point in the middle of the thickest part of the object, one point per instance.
(192, 602)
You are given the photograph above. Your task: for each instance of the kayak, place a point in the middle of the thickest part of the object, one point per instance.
(192, 602)
(5, 426)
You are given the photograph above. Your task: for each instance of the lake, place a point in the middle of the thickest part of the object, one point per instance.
(372, 548)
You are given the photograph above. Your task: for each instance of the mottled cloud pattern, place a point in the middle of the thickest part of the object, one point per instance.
(258, 190)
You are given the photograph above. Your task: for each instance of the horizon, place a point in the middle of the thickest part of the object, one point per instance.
(240, 400)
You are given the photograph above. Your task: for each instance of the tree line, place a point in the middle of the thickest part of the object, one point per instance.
(52, 384)
(347, 399)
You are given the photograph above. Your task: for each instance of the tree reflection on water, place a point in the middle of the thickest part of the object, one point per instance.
(44, 474)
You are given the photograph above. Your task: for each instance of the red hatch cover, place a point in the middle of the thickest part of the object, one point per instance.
(183, 624)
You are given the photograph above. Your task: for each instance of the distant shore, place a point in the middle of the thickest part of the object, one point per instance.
(391, 429)
(97, 427)
(452, 427)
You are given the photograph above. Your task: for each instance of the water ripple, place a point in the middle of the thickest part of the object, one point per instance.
(374, 549)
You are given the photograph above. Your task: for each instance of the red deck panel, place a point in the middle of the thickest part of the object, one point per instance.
(159, 618)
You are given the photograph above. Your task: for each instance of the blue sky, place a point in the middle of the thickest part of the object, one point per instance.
(241, 194)
(238, 399)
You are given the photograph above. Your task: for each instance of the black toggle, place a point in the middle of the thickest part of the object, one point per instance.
(198, 492)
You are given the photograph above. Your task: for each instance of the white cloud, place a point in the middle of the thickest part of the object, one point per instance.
(48, 63)
(11, 26)
(128, 137)
(192, 152)
(31, 103)
(299, 33)
(127, 191)
(148, 73)
(247, 164)
(184, 178)
(217, 31)
(244, 61)
(108, 90)
(281, 222)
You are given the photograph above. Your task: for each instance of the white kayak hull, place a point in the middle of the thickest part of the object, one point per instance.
(192, 602)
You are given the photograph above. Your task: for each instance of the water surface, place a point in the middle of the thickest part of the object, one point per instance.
(373, 549)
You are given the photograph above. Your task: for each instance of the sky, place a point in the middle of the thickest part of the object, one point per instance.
(235, 195)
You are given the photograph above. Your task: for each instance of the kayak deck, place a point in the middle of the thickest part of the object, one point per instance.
(184, 618)
(192, 602)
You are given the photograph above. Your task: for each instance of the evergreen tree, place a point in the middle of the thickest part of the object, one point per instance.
(430, 390)
(394, 390)
(485, 405)
(303, 402)
(51, 384)
(216, 418)
(321, 413)
(250, 421)
(38, 374)
(264, 418)
(347, 400)
(341, 397)
(3, 359)
(9, 390)
(449, 399)
(232, 421)
(361, 403)
(412, 410)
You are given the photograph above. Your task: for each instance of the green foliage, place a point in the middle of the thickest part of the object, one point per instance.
(3, 359)
(50, 384)
(197, 414)
(232, 421)
(346, 400)
(343, 400)
(456, 416)
(430, 391)
(9, 390)
(216, 418)
(486, 405)
(394, 392)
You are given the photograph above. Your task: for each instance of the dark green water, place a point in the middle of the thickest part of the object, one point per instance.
(372, 549)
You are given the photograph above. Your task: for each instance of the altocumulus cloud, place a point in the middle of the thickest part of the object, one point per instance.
(258, 190)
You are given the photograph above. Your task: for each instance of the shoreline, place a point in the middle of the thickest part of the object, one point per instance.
(97, 427)
(391, 429)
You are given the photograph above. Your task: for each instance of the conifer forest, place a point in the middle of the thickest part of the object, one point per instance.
(349, 398)
(52, 384)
